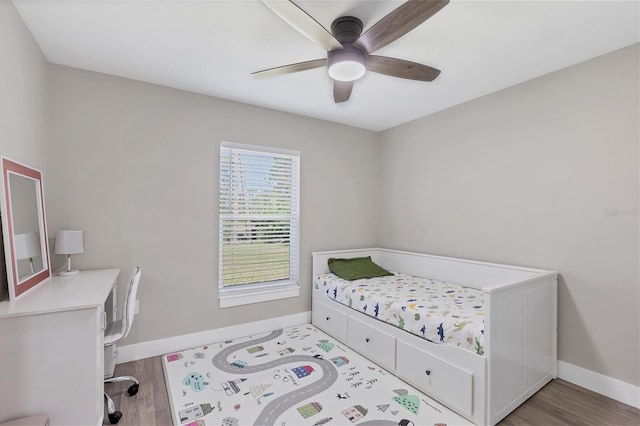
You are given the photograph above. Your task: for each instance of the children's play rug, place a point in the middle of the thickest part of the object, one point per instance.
(296, 376)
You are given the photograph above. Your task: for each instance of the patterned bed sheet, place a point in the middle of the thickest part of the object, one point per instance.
(434, 310)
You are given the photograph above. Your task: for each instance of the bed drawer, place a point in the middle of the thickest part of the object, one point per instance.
(330, 320)
(376, 345)
(446, 382)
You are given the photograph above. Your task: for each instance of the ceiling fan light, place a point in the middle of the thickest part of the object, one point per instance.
(346, 64)
(347, 70)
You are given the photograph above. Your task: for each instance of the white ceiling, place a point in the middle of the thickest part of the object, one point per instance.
(211, 47)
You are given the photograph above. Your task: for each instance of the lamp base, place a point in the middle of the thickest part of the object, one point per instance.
(68, 273)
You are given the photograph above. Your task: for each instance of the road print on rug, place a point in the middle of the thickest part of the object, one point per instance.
(292, 377)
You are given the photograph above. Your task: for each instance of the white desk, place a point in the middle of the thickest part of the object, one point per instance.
(51, 350)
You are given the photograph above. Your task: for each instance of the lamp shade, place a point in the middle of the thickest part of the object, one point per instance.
(68, 242)
(27, 245)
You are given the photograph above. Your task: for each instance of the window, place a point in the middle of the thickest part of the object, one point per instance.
(259, 223)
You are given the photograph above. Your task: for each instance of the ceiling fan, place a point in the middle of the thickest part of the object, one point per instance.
(349, 53)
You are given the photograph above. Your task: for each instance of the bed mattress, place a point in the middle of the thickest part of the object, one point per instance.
(437, 311)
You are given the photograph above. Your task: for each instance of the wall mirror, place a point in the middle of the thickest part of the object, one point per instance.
(24, 228)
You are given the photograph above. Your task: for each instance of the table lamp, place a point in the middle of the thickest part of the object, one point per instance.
(68, 242)
(27, 246)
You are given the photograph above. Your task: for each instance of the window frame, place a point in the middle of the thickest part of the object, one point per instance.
(243, 294)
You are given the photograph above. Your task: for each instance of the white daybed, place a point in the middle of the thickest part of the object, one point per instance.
(520, 332)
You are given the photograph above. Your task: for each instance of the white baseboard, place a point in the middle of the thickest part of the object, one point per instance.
(177, 343)
(604, 385)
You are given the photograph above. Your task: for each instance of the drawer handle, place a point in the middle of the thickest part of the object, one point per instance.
(367, 340)
(428, 372)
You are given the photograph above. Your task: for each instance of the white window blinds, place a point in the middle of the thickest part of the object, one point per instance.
(259, 216)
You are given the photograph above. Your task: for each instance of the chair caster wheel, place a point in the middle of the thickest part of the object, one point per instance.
(115, 417)
(133, 389)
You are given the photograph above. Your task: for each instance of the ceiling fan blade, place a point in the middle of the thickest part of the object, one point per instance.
(342, 90)
(305, 24)
(291, 68)
(401, 68)
(399, 22)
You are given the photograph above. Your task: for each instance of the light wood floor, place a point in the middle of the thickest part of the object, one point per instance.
(558, 403)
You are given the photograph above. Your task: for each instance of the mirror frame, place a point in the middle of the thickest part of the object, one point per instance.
(16, 287)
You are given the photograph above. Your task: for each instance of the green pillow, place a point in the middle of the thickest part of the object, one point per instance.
(356, 268)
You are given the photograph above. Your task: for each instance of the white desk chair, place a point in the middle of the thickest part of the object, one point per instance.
(116, 331)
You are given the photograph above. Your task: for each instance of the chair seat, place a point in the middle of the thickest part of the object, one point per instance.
(114, 332)
(28, 421)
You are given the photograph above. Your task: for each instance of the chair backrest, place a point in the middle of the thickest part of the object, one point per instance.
(130, 301)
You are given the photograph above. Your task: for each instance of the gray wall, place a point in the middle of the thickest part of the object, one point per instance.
(135, 166)
(23, 91)
(23, 99)
(543, 174)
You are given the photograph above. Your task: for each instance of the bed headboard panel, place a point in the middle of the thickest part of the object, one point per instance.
(481, 275)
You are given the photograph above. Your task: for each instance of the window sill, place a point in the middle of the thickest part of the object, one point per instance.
(235, 297)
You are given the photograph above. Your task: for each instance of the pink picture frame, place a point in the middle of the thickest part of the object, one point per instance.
(23, 213)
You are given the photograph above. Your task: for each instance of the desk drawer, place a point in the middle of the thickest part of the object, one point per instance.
(444, 381)
(376, 345)
(330, 320)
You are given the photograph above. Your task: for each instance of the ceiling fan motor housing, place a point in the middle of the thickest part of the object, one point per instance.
(346, 29)
(348, 63)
